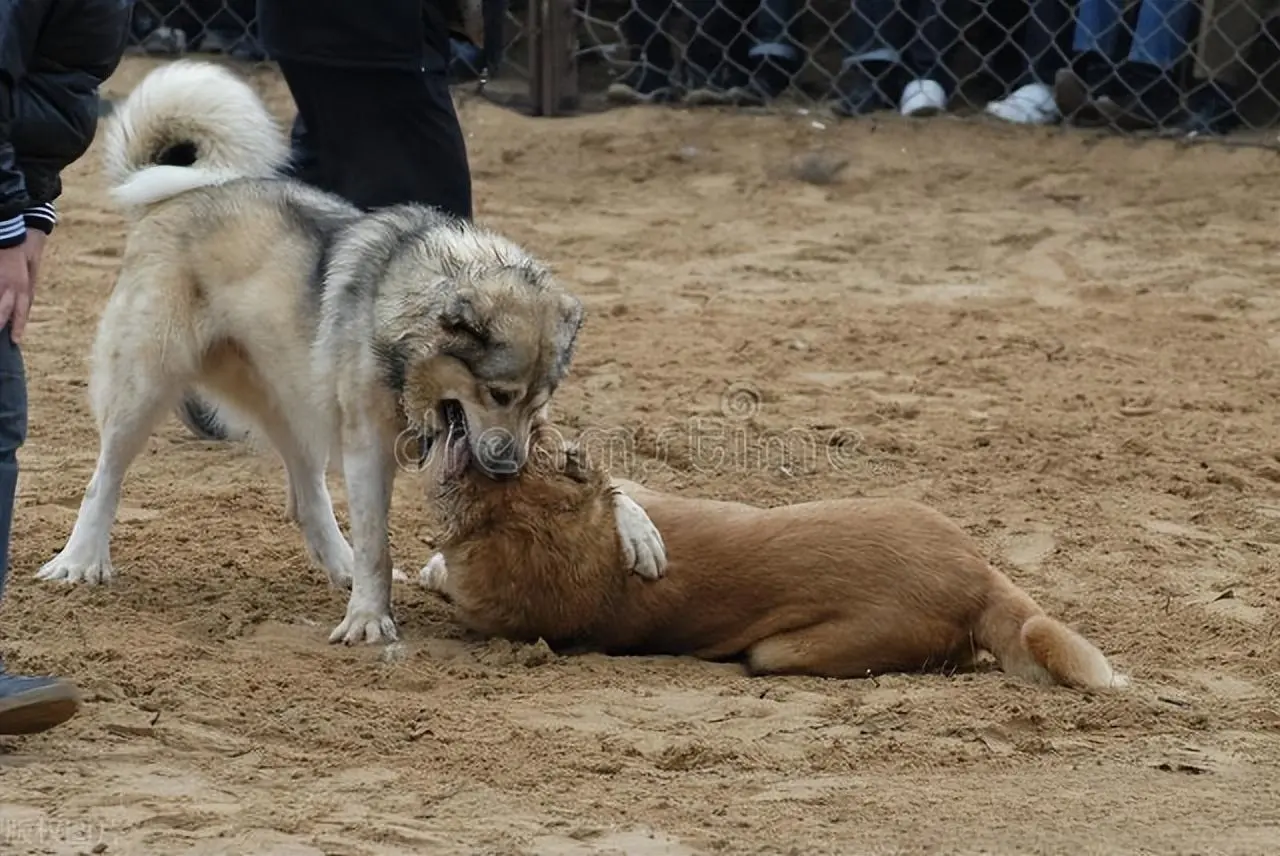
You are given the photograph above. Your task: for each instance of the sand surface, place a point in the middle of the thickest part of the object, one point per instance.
(1069, 345)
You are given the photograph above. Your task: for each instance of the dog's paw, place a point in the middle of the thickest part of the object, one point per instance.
(399, 576)
(642, 547)
(433, 574)
(373, 626)
(65, 570)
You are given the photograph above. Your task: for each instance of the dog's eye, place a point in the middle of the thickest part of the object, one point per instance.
(502, 397)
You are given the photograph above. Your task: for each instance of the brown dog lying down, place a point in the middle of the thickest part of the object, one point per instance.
(839, 588)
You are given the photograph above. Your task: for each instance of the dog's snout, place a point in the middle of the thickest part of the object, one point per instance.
(498, 455)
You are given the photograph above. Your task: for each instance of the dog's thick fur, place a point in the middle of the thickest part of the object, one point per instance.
(334, 333)
(840, 588)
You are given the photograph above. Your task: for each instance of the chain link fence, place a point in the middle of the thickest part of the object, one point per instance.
(1184, 68)
(488, 39)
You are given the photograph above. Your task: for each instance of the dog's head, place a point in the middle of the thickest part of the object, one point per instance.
(501, 341)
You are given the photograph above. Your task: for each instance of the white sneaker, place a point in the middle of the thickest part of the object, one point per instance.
(923, 98)
(1032, 104)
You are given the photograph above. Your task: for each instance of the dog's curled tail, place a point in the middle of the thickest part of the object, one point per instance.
(188, 125)
(1030, 644)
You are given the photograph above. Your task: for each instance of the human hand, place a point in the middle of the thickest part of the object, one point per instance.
(15, 290)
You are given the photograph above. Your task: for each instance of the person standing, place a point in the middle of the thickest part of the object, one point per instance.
(376, 123)
(53, 56)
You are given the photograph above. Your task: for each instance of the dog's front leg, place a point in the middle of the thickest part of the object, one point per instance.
(642, 548)
(369, 465)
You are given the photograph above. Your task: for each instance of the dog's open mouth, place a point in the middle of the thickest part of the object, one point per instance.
(456, 447)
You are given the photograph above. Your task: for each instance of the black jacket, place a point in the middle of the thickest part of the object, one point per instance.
(410, 34)
(53, 56)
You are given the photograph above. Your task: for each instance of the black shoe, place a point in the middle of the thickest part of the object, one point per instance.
(866, 88)
(1101, 76)
(643, 84)
(725, 84)
(466, 61)
(769, 77)
(1211, 109)
(1079, 89)
(1142, 98)
(164, 41)
(1078, 102)
(201, 420)
(247, 49)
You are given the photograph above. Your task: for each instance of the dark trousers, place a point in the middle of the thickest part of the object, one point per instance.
(719, 34)
(1046, 39)
(773, 27)
(379, 136)
(13, 433)
(916, 35)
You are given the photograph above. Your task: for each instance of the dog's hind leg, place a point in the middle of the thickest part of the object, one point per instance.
(290, 502)
(279, 403)
(310, 504)
(136, 379)
(808, 651)
(839, 649)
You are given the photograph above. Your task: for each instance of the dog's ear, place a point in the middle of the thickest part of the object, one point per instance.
(569, 324)
(460, 317)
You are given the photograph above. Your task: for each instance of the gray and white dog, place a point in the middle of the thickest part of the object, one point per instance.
(329, 331)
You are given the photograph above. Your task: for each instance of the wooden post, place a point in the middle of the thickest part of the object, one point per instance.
(553, 71)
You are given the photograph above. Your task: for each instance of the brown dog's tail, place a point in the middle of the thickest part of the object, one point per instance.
(1031, 645)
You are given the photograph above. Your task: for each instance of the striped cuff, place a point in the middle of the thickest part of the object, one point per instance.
(43, 217)
(12, 232)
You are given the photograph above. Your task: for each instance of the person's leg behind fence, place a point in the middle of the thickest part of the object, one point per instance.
(648, 80)
(27, 704)
(874, 36)
(936, 33)
(776, 57)
(717, 57)
(1148, 93)
(1228, 30)
(1097, 43)
(1046, 40)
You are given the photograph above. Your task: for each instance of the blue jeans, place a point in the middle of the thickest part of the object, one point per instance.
(13, 432)
(1159, 39)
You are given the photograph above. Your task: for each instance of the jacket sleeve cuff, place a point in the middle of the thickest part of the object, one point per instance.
(43, 217)
(12, 232)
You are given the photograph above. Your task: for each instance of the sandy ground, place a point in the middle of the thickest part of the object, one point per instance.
(1069, 345)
